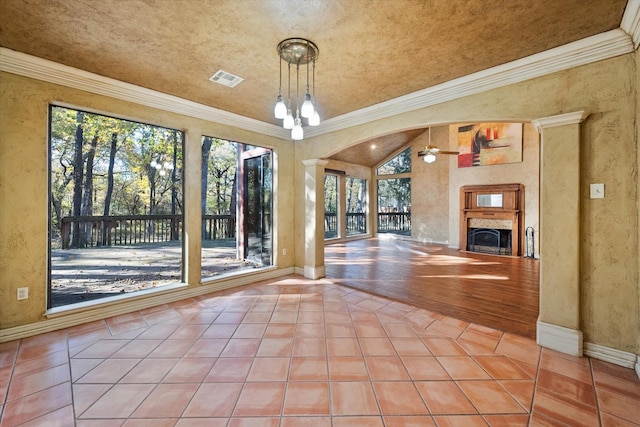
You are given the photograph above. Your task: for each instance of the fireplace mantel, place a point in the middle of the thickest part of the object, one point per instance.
(499, 206)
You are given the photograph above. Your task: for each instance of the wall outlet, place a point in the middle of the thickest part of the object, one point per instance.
(284, 252)
(23, 293)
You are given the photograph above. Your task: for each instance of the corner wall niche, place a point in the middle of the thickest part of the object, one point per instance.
(492, 219)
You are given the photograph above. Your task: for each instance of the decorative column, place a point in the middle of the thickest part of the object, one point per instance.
(314, 218)
(192, 226)
(558, 324)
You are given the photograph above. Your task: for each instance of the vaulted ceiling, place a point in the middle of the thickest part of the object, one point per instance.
(370, 50)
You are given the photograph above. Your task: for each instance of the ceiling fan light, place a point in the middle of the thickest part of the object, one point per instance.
(280, 110)
(314, 119)
(429, 158)
(288, 122)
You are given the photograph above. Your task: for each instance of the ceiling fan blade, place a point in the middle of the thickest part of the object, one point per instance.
(448, 152)
(422, 153)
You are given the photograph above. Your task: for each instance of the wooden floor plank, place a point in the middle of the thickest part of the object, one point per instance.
(495, 291)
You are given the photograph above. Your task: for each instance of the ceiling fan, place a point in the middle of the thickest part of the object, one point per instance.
(431, 151)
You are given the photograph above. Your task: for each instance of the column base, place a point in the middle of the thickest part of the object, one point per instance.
(314, 272)
(559, 338)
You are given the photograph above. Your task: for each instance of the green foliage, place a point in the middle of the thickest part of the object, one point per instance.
(399, 164)
(330, 193)
(220, 180)
(394, 195)
(356, 194)
(138, 187)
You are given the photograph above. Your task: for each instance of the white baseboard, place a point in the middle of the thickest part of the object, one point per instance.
(314, 272)
(60, 319)
(611, 355)
(564, 340)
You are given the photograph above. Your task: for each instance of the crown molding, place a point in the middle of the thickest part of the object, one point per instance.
(560, 120)
(315, 162)
(591, 49)
(631, 21)
(22, 64)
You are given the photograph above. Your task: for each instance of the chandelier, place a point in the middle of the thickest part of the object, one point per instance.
(297, 52)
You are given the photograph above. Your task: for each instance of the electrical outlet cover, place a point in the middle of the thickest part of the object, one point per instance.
(597, 191)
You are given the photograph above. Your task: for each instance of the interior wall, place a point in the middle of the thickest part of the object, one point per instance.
(526, 172)
(609, 253)
(429, 183)
(24, 184)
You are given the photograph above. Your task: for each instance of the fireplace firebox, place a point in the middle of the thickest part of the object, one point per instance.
(489, 241)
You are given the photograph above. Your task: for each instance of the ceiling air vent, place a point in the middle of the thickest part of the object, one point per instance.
(226, 79)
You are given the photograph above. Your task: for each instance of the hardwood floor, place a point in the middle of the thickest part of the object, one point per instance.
(499, 292)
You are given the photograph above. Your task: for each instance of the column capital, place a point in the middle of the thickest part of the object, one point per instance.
(315, 162)
(560, 120)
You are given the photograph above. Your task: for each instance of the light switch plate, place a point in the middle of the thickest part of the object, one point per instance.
(597, 191)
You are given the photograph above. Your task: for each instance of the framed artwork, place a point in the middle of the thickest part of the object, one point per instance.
(483, 144)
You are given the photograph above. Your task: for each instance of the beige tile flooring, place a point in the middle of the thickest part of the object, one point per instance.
(293, 353)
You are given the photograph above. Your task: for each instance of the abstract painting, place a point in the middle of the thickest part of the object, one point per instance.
(483, 144)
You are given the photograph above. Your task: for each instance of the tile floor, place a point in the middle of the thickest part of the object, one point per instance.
(295, 353)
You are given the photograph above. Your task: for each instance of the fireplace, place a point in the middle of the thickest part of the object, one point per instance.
(492, 219)
(489, 241)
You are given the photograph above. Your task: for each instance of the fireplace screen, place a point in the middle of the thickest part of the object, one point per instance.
(489, 241)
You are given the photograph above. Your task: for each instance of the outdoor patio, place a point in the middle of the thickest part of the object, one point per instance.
(79, 275)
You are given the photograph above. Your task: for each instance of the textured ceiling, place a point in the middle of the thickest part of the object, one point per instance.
(370, 50)
(372, 152)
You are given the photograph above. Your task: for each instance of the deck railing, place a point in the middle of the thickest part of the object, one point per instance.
(119, 230)
(356, 223)
(393, 222)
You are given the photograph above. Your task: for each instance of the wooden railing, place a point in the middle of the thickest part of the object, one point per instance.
(216, 227)
(118, 230)
(356, 223)
(330, 225)
(391, 222)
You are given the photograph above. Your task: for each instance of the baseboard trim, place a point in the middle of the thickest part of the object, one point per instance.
(73, 317)
(564, 340)
(314, 272)
(611, 355)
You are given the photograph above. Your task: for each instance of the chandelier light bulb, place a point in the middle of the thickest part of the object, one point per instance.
(288, 121)
(297, 133)
(314, 119)
(280, 110)
(430, 158)
(307, 107)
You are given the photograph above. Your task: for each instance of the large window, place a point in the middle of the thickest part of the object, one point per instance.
(356, 203)
(397, 165)
(394, 195)
(331, 197)
(236, 207)
(115, 206)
